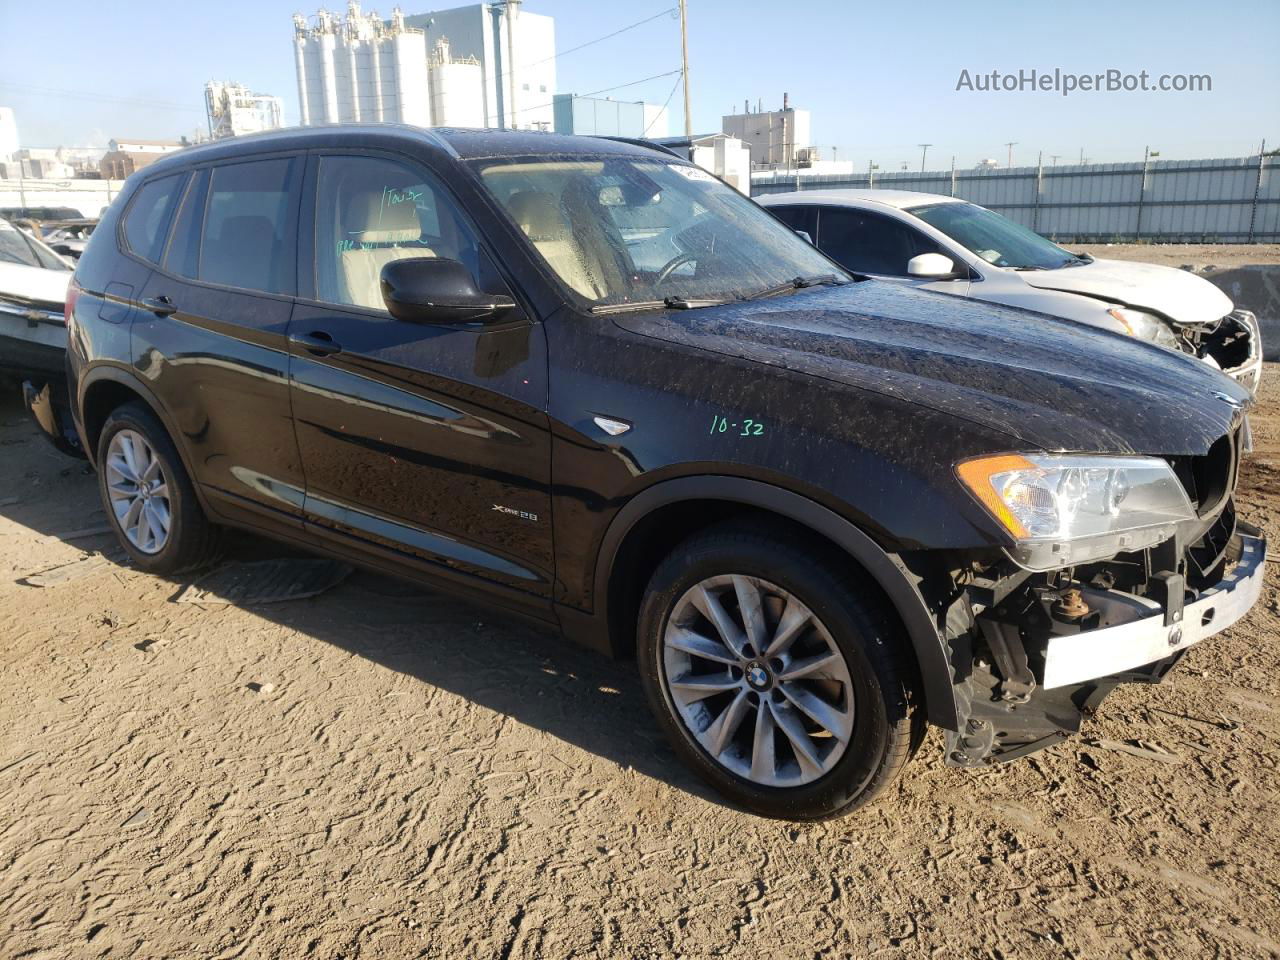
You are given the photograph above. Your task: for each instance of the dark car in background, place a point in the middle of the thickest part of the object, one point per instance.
(586, 382)
(40, 213)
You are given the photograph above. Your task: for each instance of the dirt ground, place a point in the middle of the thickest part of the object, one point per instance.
(380, 773)
(1198, 255)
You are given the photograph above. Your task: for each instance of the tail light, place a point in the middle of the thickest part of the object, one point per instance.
(73, 294)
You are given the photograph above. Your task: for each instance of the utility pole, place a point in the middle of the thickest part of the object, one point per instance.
(1147, 154)
(1054, 157)
(1011, 144)
(924, 152)
(512, 7)
(684, 67)
(495, 12)
(871, 174)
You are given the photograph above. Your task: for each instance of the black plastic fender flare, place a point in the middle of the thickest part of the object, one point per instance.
(886, 569)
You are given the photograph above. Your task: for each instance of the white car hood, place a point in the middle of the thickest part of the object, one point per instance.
(1177, 294)
(34, 284)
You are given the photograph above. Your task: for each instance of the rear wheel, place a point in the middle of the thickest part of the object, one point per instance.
(148, 496)
(776, 674)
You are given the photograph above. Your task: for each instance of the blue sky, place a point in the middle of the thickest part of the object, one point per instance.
(879, 78)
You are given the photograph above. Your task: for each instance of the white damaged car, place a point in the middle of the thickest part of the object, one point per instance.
(33, 291)
(953, 246)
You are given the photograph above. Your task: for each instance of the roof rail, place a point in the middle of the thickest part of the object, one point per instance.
(640, 142)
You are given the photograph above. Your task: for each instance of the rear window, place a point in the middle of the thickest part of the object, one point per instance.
(246, 241)
(147, 221)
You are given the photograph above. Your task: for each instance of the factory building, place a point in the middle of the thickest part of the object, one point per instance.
(233, 110)
(361, 68)
(457, 88)
(776, 138)
(124, 157)
(498, 35)
(591, 116)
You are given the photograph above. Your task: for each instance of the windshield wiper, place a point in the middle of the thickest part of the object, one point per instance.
(667, 303)
(798, 283)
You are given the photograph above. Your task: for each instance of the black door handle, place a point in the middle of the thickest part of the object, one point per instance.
(317, 343)
(161, 306)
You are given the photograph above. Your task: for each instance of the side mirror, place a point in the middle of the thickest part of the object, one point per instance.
(931, 266)
(804, 235)
(436, 290)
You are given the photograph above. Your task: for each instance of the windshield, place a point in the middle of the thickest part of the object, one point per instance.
(998, 241)
(622, 230)
(17, 247)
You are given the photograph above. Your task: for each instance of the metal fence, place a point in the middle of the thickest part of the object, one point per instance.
(1170, 201)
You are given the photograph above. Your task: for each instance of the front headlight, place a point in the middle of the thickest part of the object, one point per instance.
(1064, 509)
(1144, 326)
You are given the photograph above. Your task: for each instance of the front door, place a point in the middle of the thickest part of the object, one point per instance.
(429, 441)
(876, 244)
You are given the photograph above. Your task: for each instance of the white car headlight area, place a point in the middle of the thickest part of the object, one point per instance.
(1066, 509)
(1145, 326)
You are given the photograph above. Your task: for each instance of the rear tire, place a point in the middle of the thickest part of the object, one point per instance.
(757, 739)
(148, 496)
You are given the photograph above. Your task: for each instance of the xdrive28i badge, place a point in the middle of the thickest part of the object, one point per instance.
(1228, 399)
(512, 511)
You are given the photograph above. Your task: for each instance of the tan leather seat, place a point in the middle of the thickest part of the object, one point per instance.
(383, 232)
(539, 215)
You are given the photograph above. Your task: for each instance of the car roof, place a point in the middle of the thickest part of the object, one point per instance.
(901, 199)
(463, 143)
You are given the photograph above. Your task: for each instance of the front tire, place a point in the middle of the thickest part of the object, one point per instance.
(776, 673)
(148, 496)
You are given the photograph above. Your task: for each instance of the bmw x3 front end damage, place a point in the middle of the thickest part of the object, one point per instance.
(1118, 566)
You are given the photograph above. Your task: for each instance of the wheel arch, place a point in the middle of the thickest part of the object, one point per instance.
(105, 388)
(714, 496)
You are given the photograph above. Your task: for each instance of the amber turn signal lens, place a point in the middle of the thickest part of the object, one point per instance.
(976, 475)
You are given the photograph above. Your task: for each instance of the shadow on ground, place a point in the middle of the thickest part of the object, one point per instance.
(525, 672)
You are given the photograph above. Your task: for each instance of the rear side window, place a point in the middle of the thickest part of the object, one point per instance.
(147, 221)
(247, 240)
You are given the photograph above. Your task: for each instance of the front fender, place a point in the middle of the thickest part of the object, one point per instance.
(887, 569)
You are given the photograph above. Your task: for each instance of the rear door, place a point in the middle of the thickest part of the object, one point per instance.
(210, 338)
(428, 441)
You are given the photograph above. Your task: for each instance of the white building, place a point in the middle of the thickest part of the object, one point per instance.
(457, 88)
(525, 39)
(727, 157)
(776, 138)
(8, 134)
(233, 110)
(360, 68)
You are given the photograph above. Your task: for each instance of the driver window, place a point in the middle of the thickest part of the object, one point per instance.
(370, 212)
(870, 243)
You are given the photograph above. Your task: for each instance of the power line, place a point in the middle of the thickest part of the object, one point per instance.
(633, 83)
(97, 97)
(664, 105)
(607, 36)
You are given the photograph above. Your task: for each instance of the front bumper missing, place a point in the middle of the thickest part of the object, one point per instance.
(1026, 686)
(1133, 631)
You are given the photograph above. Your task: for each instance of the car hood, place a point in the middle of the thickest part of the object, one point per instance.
(1177, 294)
(34, 286)
(1043, 382)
